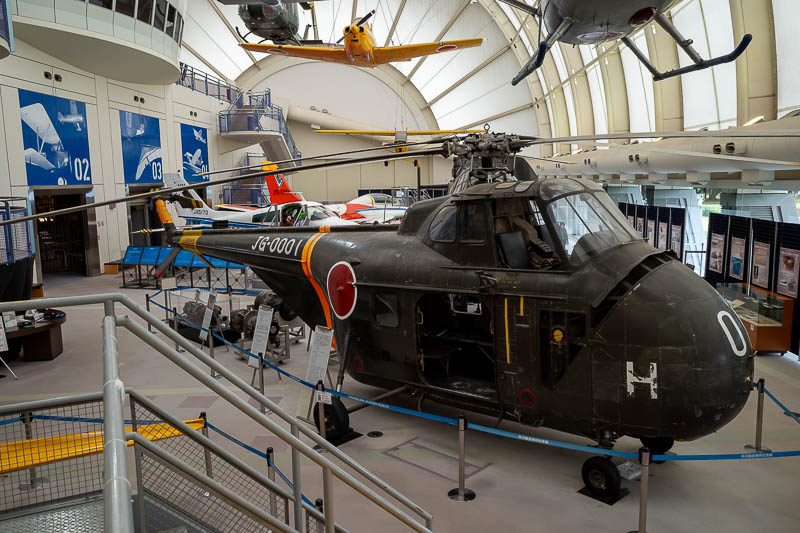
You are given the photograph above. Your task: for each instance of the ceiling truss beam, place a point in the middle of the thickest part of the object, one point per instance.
(441, 35)
(235, 34)
(394, 23)
(206, 63)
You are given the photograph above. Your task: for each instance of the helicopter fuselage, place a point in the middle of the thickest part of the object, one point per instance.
(492, 300)
(599, 20)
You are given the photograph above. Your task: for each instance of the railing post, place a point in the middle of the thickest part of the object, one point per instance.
(116, 487)
(273, 502)
(296, 489)
(147, 306)
(644, 460)
(759, 420)
(137, 455)
(321, 407)
(327, 497)
(206, 453)
(261, 381)
(461, 493)
(175, 326)
(33, 481)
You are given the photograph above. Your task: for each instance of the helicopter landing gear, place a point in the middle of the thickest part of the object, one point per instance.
(337, 420)
(601, 478)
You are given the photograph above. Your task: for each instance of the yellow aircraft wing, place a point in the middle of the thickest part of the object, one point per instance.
(336, 55)
(390, 54)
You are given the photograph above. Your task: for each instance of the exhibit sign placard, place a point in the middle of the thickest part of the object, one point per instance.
(261, 333)
(321, 340)
(640, 226)
(663, 239)
(760, 264)
(787, 272)
(737, 258)
(194, 147)
(3, 340)
(54, 139)
(651, 232)
(676, 241)
(716, 253)
(632, 221)
(141, 148)
(208, 315)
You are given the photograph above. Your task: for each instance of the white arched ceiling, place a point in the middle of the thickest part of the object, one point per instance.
(579, 90)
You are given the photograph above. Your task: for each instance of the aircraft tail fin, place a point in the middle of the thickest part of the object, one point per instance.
(176, 180)
(279, 190)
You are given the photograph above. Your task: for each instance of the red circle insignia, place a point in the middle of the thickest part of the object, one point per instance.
(527, 398)
(342, 289)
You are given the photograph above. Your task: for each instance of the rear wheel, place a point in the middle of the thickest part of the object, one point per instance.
(601, 477)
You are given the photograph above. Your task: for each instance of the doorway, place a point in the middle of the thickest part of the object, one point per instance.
(62, 239)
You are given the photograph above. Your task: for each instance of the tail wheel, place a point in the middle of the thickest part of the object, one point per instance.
(337, 420)
(601, 477)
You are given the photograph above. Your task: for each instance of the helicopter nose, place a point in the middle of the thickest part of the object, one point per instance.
(685, 360)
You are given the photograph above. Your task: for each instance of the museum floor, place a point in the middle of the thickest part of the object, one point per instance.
(520, 486)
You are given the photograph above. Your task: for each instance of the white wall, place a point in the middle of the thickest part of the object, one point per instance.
(104, 99)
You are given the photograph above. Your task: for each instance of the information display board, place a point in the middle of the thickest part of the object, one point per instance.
(194, 147)
(55, 140)
(141, 148)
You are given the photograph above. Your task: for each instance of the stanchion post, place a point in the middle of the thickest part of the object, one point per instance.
(175, 326)
(461, 493)
(147, 306)
(211, 344)
(327, 490)
(206, 452)
(644, 460)
(33, 481)
(261, 381)
(273, 502)
(759, 420)
(321, 407)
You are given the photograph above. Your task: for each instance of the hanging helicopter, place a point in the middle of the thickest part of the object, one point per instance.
(597, 21)
(275, 20)
(528, 300)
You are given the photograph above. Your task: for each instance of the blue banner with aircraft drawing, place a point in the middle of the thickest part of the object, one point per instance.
(54, 139)
(141, 148)
(194, 147)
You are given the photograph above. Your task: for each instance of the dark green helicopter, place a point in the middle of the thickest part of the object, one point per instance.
(531, 300)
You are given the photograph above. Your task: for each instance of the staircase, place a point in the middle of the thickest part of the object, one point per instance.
(182, 480)
(253, 119)
(250, 192)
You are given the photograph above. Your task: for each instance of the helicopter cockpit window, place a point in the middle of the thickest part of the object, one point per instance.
(386, 310)
(522, 237)
(552, 188)
(473, 224)
(443, 227)
(586, 227)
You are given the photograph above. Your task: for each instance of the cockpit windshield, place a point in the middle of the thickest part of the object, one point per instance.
(588, 224)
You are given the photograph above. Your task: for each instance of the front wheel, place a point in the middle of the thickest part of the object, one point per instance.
(601, 477)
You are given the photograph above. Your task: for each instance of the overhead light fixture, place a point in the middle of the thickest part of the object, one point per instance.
(754, 120)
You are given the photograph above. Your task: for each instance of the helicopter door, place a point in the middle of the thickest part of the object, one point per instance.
(456, 351)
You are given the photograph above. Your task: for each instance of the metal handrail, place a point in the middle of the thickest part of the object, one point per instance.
(233, 499)
(292, 438)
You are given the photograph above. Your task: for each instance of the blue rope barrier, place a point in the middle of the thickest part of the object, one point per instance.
(9, 421)
(785, 409)
(509, 434)
(259, 453)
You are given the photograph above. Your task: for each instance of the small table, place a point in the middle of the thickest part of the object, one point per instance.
(41, 342)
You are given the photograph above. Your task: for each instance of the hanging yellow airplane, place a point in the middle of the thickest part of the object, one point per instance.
(359, 48)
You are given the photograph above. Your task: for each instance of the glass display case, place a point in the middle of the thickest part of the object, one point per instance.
(767, 316)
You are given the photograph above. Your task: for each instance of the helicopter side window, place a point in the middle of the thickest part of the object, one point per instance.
(443, 227)
(520, 235)
(386, 310)
(473, 224)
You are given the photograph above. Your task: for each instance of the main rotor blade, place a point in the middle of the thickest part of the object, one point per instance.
(689, 153)
(169, 191)
(325, 156)
(724, 134)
